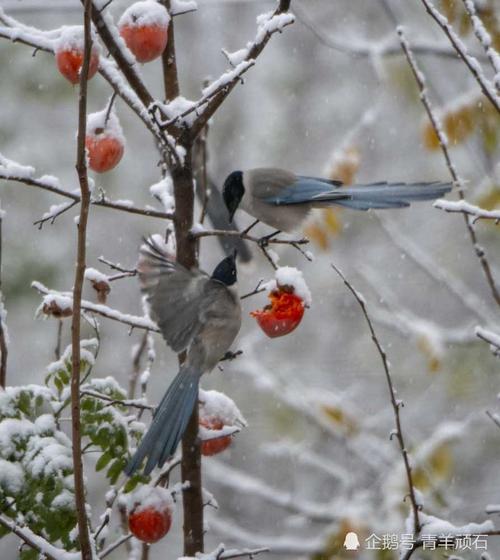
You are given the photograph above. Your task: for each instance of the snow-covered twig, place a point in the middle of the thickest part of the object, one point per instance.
(51, 184)
(268, 25)
(443, 142)
(464, 207)
(221, 553)
(493, 339)
(396, 404)
(193, 107)
(38, 543)
(133, 321)
(472, 63)
(485, 39)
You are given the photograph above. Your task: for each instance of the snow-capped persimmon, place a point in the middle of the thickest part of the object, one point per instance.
(214, 446)
(283, 314)
(69, 54)
(144, 28)
(150, 524)
(150, 513)
(104, 141)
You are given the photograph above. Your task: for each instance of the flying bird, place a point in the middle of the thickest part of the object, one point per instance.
(197, 313)
(283, 200)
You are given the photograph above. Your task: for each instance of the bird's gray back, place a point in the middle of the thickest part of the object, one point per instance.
(220, 320)
(263, 183)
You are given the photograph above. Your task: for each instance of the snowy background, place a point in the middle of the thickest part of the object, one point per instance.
(297, 106)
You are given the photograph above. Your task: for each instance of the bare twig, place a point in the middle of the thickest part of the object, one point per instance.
(81, 168)
(52, 216)
(443, 142)
(113, 546)
(133, 403)
(396, 404)
(472, 64)
(117, 266)
(110, 107)
(259, 240)
(257, 290)
(494, 418)
(57, 349)
(3, 333)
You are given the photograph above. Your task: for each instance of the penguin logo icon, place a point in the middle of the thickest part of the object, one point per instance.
(351, 541)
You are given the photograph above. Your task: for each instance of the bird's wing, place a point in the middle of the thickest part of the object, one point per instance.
(307, 189)
(175, 295)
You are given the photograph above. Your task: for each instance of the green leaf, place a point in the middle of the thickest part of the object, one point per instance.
(103, 461)
(28, 554)
(115, 470)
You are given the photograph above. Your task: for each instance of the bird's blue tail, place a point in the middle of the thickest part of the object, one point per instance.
(169, 423)
(383, 195)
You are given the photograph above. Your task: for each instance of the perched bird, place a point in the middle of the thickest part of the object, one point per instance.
(197, 313)
(283, 200)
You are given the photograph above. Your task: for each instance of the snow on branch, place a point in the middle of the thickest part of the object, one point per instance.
(471, 62)
(476, 212)
(180, 111)
(493, 339)
(267, 25)
(64, 299)
(221, 553)
(485, 39)
(38, 543)
(13, 171)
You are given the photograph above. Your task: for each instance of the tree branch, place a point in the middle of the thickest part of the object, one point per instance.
(485, 39)
(472, 64)
(3, 328)
(81, 167)
(265, 32)
(133, 321)
(396, 404)
(36, 542)
(48, 185)
(443, 142)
